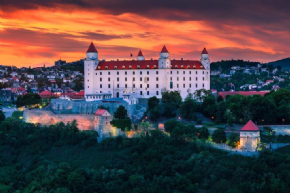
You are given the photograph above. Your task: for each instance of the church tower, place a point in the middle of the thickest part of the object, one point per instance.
(90, 64)
(205, 60)
(164, 60)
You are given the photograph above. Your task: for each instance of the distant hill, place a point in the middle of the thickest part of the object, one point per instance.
(284, 63)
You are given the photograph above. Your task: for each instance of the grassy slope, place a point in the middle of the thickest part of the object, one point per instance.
(284, 150)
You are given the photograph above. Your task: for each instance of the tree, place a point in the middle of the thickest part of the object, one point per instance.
(188, 107)
(170, 124)
(2, 116)
(233, 139)
(171, 101)
(203, 133)
(154, 114)
(121, 113)
(221, 109)
(152, 102)
(220, 98)
(219, 136)
(201, 94)
(229, 117)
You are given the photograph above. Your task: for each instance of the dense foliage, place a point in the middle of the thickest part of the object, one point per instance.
(121, 113)
(62, 159)
(121, 123)
(171, 101)
(269, 109)
(28, 99)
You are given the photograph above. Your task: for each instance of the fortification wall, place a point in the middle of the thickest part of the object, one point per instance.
(85, 122)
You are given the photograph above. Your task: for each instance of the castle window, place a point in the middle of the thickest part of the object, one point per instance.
(189, 78)
(100, 85)
(107, 67)
(125, 79)
(125, 72)
(109, 79)
(156, 72)
(115, 67)
(133, 72)
(147, 92)
(183, 72)
(189, 72)
(189, 85)
(196, 85)
(117, 72)
(133, 85)
(156, 85)
(133, 78)
(118, 79)
(157, 93)
(177, 78)
(88, 80)
(140, 72)
(147, 72)
(140, 85)
(202, 85)
(125, 85)
(138, 66)
(140, 78)
(109, 73)
(183, 85)
(140, 92)
(202, 72)
(177, 72)
(96, 74)
(196, 78)
(147, 78)
(171, 85)
(202, 78)
(100, 79)
(170, 78)
(177, 85)
(170, 72)
(117, 85)
(109, 86)
(88, 87)
(156, 78)
(100, 73)
(195, 72)
(147, 85)
(183, 78)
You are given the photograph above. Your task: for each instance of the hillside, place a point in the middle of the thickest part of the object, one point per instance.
(284, 63)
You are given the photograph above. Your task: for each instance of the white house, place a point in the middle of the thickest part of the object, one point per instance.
(143, 78)
(31, 76)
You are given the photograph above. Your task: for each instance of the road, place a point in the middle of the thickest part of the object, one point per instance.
(8, 111)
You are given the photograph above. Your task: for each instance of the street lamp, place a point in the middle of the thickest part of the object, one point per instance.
(283, 121)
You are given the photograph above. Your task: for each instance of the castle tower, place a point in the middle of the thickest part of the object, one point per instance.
(205, 60)
(164, 60)
(140, 56)
(249, 137)
(90, 64)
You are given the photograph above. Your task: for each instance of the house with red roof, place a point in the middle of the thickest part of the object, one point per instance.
(249, 137)
(46, 94)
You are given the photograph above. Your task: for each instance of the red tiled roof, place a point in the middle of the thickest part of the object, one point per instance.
(204, 51)
(244, 93)
(143, 64)
(269, 80)
(46, 92)
(140, 53)
(92, 48)
(186, 64)
(164, 49)
(21, 88)
(100, 112)
(250, 126)
(147, 64)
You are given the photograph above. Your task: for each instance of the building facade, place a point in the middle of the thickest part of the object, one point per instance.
(140, 78)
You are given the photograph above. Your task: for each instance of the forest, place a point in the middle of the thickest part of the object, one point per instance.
(62, 159)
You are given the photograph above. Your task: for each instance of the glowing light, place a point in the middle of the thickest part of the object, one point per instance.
(20, 117)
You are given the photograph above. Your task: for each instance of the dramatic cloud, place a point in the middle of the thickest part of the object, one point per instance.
(47, 30)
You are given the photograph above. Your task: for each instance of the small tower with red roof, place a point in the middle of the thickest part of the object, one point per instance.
(92, 53)
(164, 60)
(249, 137)
(204, 59)
(140, 56)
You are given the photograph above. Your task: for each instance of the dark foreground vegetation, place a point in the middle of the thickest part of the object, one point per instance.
(62, 159)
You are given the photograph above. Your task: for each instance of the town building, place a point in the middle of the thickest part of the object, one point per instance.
(140, 78)
(59, 63)
(249, 137)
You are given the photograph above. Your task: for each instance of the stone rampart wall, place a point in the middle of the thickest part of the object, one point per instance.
(44, 117)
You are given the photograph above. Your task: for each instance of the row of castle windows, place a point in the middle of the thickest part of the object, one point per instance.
(157, 85)
(147, 79)
(171, 72)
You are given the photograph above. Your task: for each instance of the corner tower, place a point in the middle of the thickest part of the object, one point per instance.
(140, 56)
(164, 60)
(90, 64)
(205, 60)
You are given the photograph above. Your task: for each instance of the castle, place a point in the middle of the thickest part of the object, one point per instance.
(140, 78)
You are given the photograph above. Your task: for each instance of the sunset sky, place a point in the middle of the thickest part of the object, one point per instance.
(37, 32)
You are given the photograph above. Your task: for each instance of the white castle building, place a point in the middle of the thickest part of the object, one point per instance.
(140, 78)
